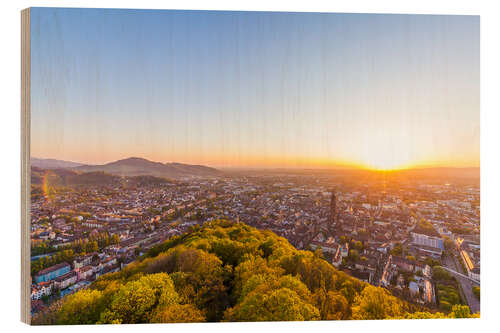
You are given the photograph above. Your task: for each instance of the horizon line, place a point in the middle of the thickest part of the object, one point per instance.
(250, 167)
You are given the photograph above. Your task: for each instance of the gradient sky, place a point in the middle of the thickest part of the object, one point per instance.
(255, 88)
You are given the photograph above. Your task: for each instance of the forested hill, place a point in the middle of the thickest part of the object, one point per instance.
(225, 271)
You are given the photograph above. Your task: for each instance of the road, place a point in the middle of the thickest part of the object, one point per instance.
(459, 274)
(466, 284)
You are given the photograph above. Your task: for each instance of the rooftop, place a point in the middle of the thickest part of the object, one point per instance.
(52, 268)
(426, 229)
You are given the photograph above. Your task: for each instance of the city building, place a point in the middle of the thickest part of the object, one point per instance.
(427, 242)
(65, 280)
(52, 272)
(40, 290)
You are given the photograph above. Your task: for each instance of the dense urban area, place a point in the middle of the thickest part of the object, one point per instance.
(414, 234)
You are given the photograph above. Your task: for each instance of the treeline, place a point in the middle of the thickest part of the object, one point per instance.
(41, 248)
(230, 272)
(95, 243)
(447, 289)
(69, 252)
(54, 259)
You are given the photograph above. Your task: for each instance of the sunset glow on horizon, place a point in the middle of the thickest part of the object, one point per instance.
(255, 89)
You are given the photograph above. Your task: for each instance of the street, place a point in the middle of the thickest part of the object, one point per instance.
(466, 284)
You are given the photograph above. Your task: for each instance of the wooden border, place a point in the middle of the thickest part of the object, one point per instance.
(25, 166)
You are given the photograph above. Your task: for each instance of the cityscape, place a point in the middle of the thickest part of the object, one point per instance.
(415, 233)
(225, 166)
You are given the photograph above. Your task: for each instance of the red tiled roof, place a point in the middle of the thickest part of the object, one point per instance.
(52, 268)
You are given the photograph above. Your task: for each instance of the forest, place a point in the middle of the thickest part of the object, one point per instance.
(226, 271)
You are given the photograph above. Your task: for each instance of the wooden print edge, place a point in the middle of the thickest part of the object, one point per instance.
(25, 165)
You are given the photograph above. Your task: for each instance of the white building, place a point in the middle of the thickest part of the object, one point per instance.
(40, 290)
(426, 240)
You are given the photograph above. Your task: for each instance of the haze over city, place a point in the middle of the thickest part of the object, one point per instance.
(255, 89)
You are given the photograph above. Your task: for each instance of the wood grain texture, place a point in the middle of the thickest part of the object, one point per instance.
(25, 166)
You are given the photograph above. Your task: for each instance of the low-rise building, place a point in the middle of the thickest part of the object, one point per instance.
(66, 280)
(40, 290)
(85, 272)
(52, 272)
(414, 288)
(82, 261)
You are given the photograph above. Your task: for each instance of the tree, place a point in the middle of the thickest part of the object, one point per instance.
(353, 255)
(83, 307)
(440, 273)
(115, 239)
(358, 246)
(318, 253)
(431, 262)
(135, 300)
(477, 291)
(177, 313)
(250, 273)
(92, 247)
(375, 303)
(424, 315)
(460, 311)
(332, 305)
(448, 243)
(279, 305)
(348, 291)
(397, 249)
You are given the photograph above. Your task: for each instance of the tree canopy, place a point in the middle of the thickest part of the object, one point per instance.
(225, 271)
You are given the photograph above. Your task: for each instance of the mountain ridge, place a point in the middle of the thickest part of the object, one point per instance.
(52, 163)
(131, 166)
(135, 166)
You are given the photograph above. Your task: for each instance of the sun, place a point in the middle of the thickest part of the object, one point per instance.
(380, 159)
(386, 165)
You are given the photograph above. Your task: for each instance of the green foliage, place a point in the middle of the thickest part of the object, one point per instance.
(431, 262)
(448, 296)
(358, 246)
(376, 303)
(276, 305)
(458, 311)
(135, 301)
(440, 274)
(57, 258)
(448, 243)
(477, 291)
(353, 256)
(424, 315)
(178, 313)
(226, 271)
(397, 250)
(41, 248)
(461, 311)
(68, 253)
(331, 305)
(83, 307)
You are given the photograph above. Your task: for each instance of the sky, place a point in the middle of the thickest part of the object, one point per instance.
(255, 89)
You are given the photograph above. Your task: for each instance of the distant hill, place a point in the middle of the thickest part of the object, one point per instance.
(65, 177)
(425, 172)
(135, 166)
(444, 172)
(50, 163)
